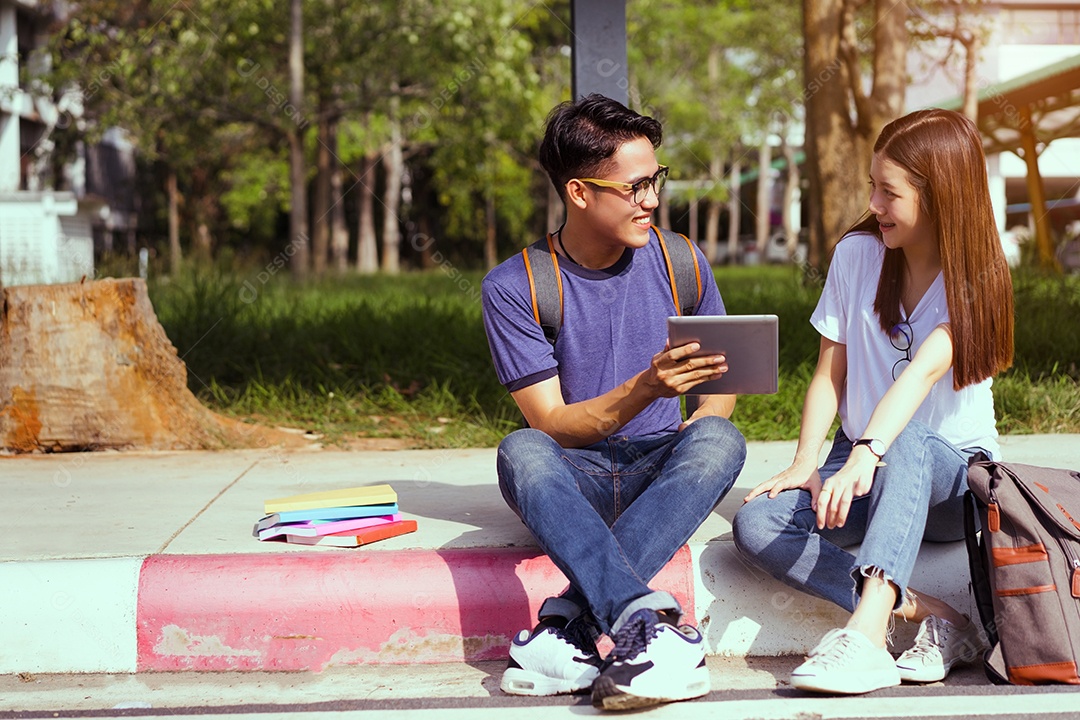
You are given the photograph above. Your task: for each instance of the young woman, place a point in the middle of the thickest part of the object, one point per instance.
(915, 318)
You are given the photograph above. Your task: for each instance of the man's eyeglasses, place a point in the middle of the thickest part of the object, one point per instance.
(902, 337)
(640, 189)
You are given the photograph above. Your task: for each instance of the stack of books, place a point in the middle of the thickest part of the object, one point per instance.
(339, 518)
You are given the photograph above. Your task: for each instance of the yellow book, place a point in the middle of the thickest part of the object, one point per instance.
(367, 495)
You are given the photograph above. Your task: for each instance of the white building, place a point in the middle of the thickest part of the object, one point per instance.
(45, 235)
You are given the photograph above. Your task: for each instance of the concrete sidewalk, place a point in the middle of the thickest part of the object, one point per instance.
(127, 562)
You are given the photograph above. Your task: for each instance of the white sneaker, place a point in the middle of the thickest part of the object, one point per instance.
(846, 662)
(552, 660)
(653, 662)
(938, 646)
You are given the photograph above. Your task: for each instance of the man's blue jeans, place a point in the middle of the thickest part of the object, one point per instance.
(610, 515)
(917, 495)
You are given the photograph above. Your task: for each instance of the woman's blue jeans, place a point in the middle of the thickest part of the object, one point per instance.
(917, 496)
(611, 515)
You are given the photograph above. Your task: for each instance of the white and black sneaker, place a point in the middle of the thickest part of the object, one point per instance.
(553, 660)
(653, 662)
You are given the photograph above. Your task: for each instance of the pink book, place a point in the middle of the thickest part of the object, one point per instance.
(316, 528)
(354, 538)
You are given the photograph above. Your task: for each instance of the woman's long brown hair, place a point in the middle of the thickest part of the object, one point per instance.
(942, 153)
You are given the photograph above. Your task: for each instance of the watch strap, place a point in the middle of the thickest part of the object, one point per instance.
(869, 443)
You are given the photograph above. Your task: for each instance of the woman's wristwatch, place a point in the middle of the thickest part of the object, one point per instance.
(874, 445)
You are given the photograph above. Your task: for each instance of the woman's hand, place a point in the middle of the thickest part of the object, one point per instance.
(853, 480)
(798, 476)
(892, 414)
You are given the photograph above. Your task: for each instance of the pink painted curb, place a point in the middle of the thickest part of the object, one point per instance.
(295, 612)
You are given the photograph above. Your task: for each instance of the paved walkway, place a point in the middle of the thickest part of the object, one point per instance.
(751, 688)
(125, 562)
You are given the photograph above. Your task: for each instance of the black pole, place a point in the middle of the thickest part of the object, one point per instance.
(598, 51)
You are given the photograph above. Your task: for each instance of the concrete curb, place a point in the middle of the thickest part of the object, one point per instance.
(292, 612)
(280, 612)
(68, 615)
(289, 612)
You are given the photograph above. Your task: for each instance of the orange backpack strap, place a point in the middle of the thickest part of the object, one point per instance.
(545, 286)
(545, 280)
(684, 272)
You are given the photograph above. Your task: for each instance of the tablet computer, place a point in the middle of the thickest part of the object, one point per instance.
(749, 342)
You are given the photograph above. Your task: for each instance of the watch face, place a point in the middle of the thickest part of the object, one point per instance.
(876, 446)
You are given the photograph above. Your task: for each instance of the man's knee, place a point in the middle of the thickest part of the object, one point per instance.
(524, 448)
(523, 457)
(719, 438)
(523, 440)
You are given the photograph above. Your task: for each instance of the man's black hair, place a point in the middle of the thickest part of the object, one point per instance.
(583, 134)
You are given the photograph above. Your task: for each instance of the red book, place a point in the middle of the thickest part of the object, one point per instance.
(355, 538)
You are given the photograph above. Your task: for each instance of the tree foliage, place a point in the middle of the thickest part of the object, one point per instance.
(436, 109)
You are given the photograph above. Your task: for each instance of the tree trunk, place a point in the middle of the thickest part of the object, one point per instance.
(791, 197)
(842, 121)
(734, 206)
(201, 205)
(764, 196)
(890, 70)
(716, 163)
(175, 258)
(367, 251)
(203, 210)
(320, 211)
(339, 231)
(830, 149)
(394, 163)
(664, 211)
(491, 251)
(297, 247)
(712, 217)
(971, 77)
(86, 366)
(554, 209)
(204, 241)
(424, 242)
(694, 202)
(298, 220)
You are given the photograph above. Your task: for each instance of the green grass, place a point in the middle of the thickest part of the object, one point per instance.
(378, 356)
(406, 357)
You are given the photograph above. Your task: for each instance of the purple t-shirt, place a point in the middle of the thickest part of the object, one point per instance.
(614, 321)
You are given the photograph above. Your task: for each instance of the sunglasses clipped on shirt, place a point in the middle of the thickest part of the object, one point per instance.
(902, 337)
(640, 189)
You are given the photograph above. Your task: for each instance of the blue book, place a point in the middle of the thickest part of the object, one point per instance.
(327, 513)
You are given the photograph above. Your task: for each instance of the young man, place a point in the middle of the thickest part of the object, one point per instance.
(608, 478)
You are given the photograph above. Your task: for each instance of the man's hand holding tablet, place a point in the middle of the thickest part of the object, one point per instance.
(750, 344)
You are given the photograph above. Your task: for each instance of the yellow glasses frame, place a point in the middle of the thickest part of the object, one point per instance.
(640, 188)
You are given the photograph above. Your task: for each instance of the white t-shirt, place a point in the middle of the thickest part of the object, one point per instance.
(845, 314)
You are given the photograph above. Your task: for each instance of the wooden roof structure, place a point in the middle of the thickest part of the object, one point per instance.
(1024, 115)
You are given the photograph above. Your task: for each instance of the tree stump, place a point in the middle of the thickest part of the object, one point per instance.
(87, 366)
